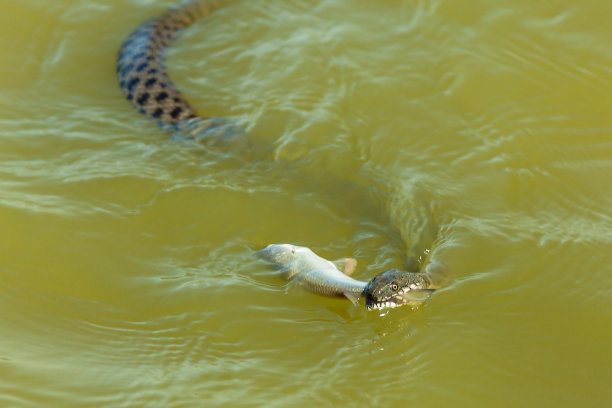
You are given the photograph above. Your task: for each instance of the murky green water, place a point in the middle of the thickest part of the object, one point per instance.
(476, 135)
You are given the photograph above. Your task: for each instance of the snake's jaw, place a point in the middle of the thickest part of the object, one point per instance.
(383, 304)
(395, 288)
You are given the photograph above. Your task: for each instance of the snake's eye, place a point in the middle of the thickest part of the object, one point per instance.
(394, 286)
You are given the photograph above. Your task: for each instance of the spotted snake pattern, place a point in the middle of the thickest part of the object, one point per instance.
(141, 68)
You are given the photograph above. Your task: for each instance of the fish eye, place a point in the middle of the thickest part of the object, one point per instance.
(394, 286)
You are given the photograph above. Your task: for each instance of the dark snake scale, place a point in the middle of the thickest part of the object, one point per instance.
(142, 74)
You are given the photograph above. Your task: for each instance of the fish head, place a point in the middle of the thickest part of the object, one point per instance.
(281, 255)
(393, 288)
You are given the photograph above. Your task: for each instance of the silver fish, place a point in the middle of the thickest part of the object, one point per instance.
(314, 272)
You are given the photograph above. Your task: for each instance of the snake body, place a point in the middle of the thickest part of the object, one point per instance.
(142, 73)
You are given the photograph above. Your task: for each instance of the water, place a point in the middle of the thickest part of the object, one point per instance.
(475, 137)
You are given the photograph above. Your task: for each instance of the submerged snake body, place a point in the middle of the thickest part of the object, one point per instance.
(142, 74)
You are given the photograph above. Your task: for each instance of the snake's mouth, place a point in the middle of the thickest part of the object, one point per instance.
(410, 296)
(373, 305)
(389, 302)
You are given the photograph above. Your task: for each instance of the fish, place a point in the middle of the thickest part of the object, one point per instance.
(315, 273)
(389, 289)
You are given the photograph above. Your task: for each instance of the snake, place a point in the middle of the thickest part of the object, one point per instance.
(144, 80)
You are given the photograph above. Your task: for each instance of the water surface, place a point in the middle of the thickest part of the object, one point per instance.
(477, 137)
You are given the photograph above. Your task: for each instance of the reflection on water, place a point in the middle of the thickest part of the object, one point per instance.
(469, 140)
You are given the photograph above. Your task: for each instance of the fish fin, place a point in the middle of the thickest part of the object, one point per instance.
(354, 298)
(346, 265)
(418, 295)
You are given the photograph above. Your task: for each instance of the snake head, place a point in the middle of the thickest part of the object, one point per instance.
(393, 288)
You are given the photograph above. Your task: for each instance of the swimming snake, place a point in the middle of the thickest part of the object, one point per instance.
(144, 81)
